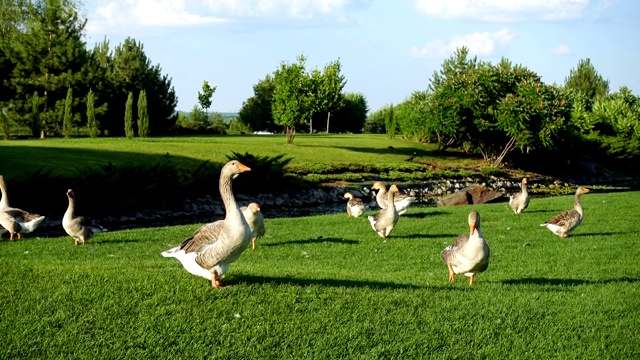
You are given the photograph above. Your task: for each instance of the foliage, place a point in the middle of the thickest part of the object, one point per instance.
(4, 125)
(67, 126)
(92, 123)
(143, 116)
(256, 111)
(291, 105)
(217, 124)
(352, 116)
(128, 117)
(205, 97)
(328, 90)
(586, 81)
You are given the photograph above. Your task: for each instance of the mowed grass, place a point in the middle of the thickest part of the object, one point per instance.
(68, 156)
(327, 287)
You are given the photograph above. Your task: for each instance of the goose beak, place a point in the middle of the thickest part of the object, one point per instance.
(472, 228)
(242, 167)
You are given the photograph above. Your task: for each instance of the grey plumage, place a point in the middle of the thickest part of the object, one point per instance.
(520, 200)
(80, 228)
(469, 254)
(14, 220)
(565, 222)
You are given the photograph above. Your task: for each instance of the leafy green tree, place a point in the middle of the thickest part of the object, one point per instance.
(48, 56)
(375, 123)
(67, 125)
(390, 123)
(205, 97)
(92, 123)
(586, 80)
(256, 111)
(143, 117)
(291, 106)
(329, 89)
(128, 117)
(352, 116)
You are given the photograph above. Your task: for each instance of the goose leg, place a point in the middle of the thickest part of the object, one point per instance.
(471, 279)
(19, 236)
(451, 273)
(253, 244)
(215, 281)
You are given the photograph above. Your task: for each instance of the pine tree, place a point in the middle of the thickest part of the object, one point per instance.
(67, 126)
(128, 117)
(92, 124)
(143, 117)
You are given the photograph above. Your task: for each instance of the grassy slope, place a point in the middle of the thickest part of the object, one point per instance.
(66, 156)
(329, 287)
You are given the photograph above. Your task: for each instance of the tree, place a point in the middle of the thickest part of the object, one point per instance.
(128, 117)
(92, 123)
(352, 116)
(48, 56)
(204, 98)
(143, 117)
(256, 111)
(586, 80)
(291, 105)
(67, 125)
(329, 91)
(390, 123)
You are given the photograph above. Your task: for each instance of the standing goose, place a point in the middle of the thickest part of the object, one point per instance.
(386, 219)
(215, 246)
(80, 228)
(14, 220)
(254, 218)
(355, 206)
(401, 201)
(565, 222)
(469, 254)
(520, 201)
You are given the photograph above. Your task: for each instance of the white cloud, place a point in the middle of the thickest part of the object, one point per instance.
(504, 10)
(483, 44)
(561, 49)
(295, 9)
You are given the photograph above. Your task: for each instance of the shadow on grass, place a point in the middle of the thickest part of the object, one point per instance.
(607, 233)
(425, 215)
(433, 154)
(424, 236)
(566, 282)
(316, 241)
(237, 279)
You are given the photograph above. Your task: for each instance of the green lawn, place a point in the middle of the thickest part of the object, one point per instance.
(327, 287)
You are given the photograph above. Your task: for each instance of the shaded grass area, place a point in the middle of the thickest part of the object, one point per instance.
(329, 287)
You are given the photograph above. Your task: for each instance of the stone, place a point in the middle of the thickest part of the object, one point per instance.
(474, 194)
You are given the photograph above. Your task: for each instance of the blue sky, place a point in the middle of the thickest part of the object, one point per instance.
(387, 49)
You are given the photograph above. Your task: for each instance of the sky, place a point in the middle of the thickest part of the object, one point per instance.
(387, 49)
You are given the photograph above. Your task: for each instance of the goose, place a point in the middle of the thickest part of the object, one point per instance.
(355, 206)
(14, 220)
(80, 228)
(402, 201)
(520, 201)
(469, 254)
(386, 219)
(565, 222)
(212, 248)
(254, 217)
(410, 157)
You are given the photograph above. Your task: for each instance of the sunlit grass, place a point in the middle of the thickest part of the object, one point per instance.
(328, 287)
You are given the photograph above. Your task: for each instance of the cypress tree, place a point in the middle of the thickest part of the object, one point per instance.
(128, 117)
(143, 117)
(92, 124)
(67, 126)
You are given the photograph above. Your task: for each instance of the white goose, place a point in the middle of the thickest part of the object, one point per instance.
(80, 228)
(215, 246)
(469, 254)
(386, 219)
(255, 219)
(520, 200)
(401, 201)
(14, 220)
(565, 222)
(355, 206)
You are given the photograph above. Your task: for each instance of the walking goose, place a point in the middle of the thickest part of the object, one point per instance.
(565, 222)
(215, 246)
(14, 220)
(80, 228)
(355, 206)
(469, 254)
(401, 201)
(255, 219)
(386, 219)
(520, 201)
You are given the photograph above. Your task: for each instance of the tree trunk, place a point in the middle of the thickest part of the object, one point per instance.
(328, 116)
(291, 133)
(311, 125)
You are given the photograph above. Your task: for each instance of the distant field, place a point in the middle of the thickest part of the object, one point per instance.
(327, 287)
(66, 156)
